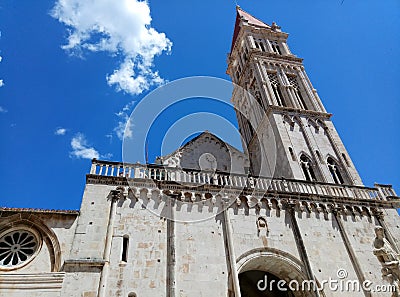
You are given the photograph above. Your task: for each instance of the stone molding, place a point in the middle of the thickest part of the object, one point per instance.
(38, 281)
(239, 199)
(84, 262)
(251, 198)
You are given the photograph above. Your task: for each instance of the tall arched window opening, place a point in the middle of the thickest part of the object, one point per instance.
(294, 84)
(125, 245)
(273, 78)
(307, 168)
(335, 172)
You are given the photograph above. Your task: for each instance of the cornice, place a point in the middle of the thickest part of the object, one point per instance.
(150, 185)
(38, 210)
(297, 111)
(44, 282)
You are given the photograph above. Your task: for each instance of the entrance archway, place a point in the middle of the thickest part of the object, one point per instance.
(275, 265)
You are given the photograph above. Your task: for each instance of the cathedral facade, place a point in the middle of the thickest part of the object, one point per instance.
(287, 216)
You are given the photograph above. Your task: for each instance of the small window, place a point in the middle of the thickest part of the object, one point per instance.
(292, 154)
(125, 245)
(318, 155)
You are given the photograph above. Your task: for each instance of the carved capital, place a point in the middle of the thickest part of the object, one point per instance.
(378, 213)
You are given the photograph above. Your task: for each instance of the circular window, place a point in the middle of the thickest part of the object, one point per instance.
(17, 248)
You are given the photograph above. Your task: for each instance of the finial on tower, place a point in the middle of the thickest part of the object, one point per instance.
(275, 27)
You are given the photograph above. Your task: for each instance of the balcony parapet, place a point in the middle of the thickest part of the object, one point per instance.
(117, 173)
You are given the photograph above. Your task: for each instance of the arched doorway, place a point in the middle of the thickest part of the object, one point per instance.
(274, 264)
(257, 283)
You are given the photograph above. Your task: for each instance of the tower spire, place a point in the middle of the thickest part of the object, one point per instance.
(307, 144)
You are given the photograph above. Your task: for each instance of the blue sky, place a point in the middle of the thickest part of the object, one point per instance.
(66, 89)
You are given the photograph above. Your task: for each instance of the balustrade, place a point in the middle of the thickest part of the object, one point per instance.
(161, 173)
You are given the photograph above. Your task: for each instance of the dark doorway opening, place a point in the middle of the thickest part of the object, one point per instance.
(256, 283)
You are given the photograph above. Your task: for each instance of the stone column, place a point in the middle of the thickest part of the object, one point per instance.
(250, 39)
(307, 89)
(114, 196)
(230, 246)
(171, 259)
(314, 91)
(269, 46)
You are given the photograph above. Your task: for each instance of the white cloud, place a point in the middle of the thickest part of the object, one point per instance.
(60, 131)
(121, 28)
(107, 156)
(125, 126)
(3, 110)
(110, 137)
(81, 149)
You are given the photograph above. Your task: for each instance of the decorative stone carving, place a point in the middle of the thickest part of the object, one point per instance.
(389, 259)
(262, 229)
(238, 201)
(251, 182)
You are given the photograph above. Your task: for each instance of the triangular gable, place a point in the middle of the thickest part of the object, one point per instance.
(241, 15)
(227, 157)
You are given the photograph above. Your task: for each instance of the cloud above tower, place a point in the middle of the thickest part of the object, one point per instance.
(120, 28)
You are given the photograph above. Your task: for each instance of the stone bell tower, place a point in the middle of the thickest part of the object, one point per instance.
(307, 144)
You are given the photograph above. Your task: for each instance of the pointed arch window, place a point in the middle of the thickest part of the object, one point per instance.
(294, 84)
(273, 78)
(307, 168)
(334, 170)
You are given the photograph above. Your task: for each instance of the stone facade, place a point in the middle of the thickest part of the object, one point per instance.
(204, 220)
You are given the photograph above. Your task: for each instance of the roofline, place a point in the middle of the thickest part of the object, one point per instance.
(181, 149)
(40, 210)
(237, 27)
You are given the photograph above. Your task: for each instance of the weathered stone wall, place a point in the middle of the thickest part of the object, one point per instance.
(144, 272)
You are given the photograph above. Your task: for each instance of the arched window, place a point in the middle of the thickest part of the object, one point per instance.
(307, 168)
(276, 88)
(335, 172)
(294, 84)
(275, 47)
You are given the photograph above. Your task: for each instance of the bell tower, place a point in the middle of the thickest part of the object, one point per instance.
(307, 144)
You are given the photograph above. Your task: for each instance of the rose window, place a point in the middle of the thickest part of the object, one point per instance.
(17, 247)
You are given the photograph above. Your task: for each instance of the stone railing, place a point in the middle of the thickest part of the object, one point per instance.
(224, 179)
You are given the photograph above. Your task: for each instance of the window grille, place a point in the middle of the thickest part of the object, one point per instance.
(17, 247)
